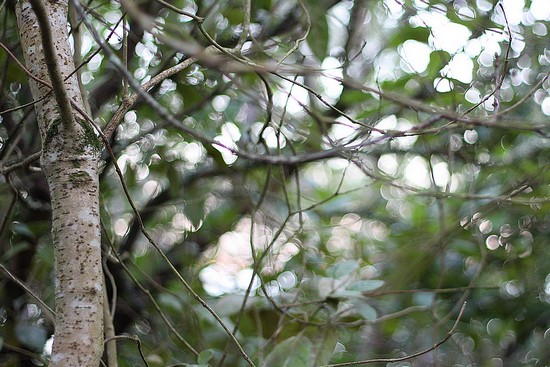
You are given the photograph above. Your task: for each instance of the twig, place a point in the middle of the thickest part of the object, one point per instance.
(25, 162)
(442, 113)
(50, 314)
(526, 96)
(162, 315)
(56, 78)
(179, 11)
(410, 356)
(130, 100)
(25, 70)
(15, 196)
(24, 352)
(134, 338)
(301, 39)
(148, 97)
(247, 6)
(499, 79)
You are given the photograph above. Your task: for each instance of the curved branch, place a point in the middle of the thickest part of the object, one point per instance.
(57, 80)
(407, 357)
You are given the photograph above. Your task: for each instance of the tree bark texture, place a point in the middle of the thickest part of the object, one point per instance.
(70, 155)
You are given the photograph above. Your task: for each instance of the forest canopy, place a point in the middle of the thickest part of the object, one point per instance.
(294, 182)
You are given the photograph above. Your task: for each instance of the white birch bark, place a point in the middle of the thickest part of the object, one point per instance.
(69, 160)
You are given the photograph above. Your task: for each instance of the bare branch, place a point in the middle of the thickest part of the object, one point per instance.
(60, 92)
(410, 356)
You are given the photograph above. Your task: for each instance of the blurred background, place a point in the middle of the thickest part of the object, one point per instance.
(388, 161)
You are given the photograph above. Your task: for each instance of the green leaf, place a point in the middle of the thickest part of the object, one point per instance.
(14, 250)
(32, 336)
(154, 360)
(366, 285)
(344, 293)
(174, 177)
(194, 210)
(438, 59)
(170, 301)
(353, 97)
(234, 15)
(229, 304)
(317, 38)
(343, 268)
(419, 34)
(205, 356)
(364, 309)
(45, 254)
(295, 351)
(22, 229)
(323, 345)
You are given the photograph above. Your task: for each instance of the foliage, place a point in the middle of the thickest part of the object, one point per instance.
(335, 184)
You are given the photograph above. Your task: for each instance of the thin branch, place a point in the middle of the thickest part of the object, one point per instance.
(410, 356)
(77, 57)
(25, 162)
(134, 338)
(301, 39)
(179, 11)
(108, 313)
(11, 206)
(442, 113)
(50, 314)
(155, 304)
(20, 107)
(25, 70)
(24, 352)
(130, 100)
(124, 54)
(32, 76)
(426, 290)
(526, 96)
(170, 119)
(247, 7)
(133, 83)
(499, 77)
(56, 78)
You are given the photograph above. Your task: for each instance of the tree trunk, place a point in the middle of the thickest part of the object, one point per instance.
(70, 155)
